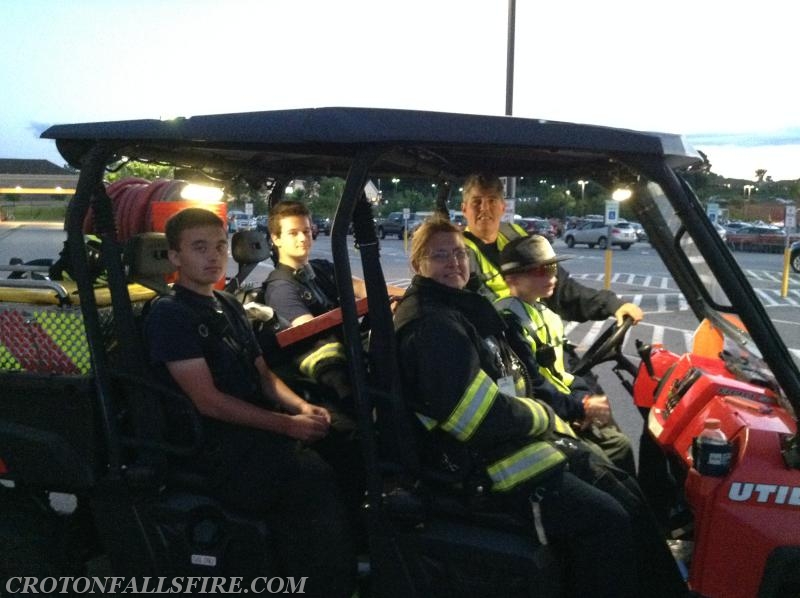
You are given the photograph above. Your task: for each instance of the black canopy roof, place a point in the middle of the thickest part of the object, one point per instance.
(324, 140)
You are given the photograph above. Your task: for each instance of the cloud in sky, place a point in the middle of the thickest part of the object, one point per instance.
(741, 162)
(739, 155)
(788, 136)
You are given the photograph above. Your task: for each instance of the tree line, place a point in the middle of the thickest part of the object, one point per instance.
(534, 197)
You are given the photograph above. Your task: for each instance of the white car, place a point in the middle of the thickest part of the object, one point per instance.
(596, 232)
(240, 221)
(721, 230)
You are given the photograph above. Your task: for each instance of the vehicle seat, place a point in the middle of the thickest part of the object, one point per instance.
(147, 261)
(248, 248)
(448, 540)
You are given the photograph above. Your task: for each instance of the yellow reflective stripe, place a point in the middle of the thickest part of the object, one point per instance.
(523, 465)
(539, 416)
(428, 422)
(563, 427)
(549, 329)
(515, 231)
(560, 385)
(328, 351)
(492, 278)
(568, 378)
(472, 408)
(555, 325)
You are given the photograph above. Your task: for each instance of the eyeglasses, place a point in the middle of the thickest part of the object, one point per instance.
(546, 270)
(443, 255)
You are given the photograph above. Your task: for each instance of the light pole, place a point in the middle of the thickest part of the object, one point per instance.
(511, 184)
(611, 217)
(395, 181)
(582, 183)
(748, 189)
(512, 17)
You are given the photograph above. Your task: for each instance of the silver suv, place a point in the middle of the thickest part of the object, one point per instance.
(596, 232)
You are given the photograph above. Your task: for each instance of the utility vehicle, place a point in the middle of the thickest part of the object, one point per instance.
(96, 431)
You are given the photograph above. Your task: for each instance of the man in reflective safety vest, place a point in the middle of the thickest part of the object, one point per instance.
(486, 235)
(536, 334)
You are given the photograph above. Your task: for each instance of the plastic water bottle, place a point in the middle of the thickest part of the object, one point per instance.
(712, 451)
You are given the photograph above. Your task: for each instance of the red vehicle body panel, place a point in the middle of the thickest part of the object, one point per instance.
(741, 517)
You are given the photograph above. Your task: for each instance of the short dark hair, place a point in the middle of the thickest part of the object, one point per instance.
(189, 218)
(283, 210)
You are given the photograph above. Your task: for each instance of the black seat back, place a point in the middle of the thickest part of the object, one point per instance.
(248, 248)
(146, 257)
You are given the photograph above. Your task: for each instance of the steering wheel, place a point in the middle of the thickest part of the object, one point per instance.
(606, 347)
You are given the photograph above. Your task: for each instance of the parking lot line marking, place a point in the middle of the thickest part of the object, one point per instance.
(765, 297)
(752, 274)
(658, 335)
(688, 339)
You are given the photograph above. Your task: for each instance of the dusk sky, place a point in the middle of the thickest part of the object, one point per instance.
(714, 71)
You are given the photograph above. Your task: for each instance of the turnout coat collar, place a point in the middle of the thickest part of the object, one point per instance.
(425, 296)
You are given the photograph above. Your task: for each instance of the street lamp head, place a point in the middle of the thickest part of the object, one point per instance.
(621, 194)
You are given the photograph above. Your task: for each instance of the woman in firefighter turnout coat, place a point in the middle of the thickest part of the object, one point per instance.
(479, 430)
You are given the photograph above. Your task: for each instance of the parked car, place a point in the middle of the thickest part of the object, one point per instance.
(240, 221)
(641, 234)
(558, 227)
(323, 225)
(596, 232)
(757, 238)
(458, 219)
(578, 221)
(537, 226)
(395, 224)
(735, 225)
(794, 256)
(721, 230)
